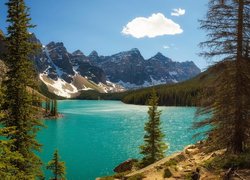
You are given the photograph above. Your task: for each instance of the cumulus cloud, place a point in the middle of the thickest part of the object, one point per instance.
(178, 12)
(153, 26)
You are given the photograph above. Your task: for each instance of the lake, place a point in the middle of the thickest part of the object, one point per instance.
(95, 136)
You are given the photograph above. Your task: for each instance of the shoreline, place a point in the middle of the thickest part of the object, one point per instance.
(48, 117)
(191, 162)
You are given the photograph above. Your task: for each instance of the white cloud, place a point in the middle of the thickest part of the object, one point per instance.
(155, 25)
(178, 12)
(166, 47)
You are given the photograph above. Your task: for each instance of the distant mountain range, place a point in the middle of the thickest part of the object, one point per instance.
(67, 74)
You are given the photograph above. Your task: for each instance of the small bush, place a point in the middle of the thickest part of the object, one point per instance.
(171, 162)
(167, 173)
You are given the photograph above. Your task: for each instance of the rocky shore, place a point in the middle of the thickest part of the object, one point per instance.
(192, 163)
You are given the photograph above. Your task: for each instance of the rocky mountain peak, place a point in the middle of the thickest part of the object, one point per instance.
(159, 56)
(78, 53)
(68, 73)
(34, 39)
(135, 50)
(93, 54)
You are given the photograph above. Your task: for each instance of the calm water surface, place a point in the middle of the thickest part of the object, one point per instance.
(95, 136)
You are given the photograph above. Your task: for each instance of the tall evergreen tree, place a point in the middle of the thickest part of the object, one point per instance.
(47, 105)
(55, 108)
(20, 113)
(52, 112)
(57, 167)
(227, 100)
(7, 169)
(154, 147)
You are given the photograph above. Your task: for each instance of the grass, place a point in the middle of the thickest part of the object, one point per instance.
(171, 162)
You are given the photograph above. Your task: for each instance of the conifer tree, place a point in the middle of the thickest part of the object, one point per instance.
(7, 169)
(52, 112)
(55, 108)
(154, 147)
(47, 105)
(20, 114)
(57, 167)
(226, 100)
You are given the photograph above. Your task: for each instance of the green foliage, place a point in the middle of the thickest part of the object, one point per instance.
(180, 94)
(57, 167)
(7, 169)
(171, 162)
(94, 95)
(154, 147)
(18, 106)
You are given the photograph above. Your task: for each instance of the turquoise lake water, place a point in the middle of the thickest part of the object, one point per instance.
(95, 136)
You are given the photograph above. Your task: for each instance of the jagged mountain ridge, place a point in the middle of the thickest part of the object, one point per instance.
(66, 74)
(131, 70)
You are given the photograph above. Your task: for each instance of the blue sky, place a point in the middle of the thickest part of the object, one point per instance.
(111, 26)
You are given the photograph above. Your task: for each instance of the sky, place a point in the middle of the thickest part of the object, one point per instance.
(111, 26)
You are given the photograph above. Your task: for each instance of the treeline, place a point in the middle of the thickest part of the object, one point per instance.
(94, 95)
(180, 94)
(168, 96)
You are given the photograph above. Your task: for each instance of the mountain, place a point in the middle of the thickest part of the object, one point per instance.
(67, 74)
(132, 71)
(178, 94)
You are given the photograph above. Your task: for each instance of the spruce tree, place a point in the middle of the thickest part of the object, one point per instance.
(226, 100)
(7, 169)
(57, 167)
(20, 114)
(55, 108)
(47, 105)
(154, 147)
(52, 109)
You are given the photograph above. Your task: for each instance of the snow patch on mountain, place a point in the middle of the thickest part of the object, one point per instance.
(59, 86)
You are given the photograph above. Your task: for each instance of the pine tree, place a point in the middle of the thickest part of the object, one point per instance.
(7, 169)
(47, 105)
(20, 113)
(55, 108)
(57, 167)
(52, 112)
(226, 100)
(154, 147)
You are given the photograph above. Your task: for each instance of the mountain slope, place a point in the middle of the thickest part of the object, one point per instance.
(132, 71)
(66, 74)
(179, 94)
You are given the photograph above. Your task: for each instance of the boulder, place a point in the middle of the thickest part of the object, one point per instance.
(125, 166)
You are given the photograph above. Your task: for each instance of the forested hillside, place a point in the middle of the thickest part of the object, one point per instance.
(180, 94)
